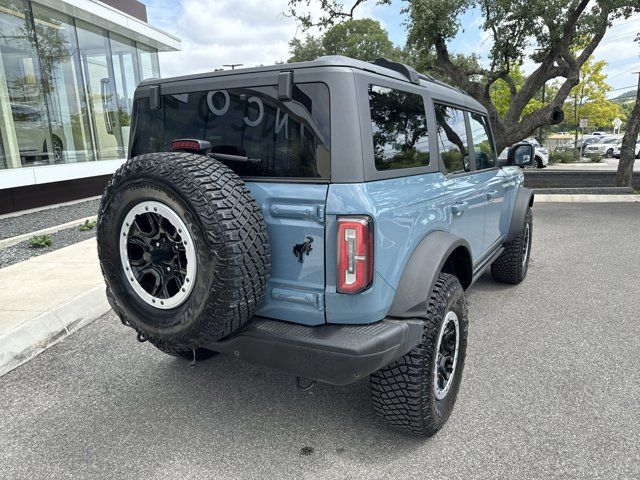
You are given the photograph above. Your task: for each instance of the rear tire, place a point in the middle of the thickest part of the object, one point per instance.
(511, 267)
(410, 393)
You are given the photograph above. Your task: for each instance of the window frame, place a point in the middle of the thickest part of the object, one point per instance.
(489, 137)
(371, 173)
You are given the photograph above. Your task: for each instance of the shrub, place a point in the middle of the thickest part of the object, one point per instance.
(40, 241)
(88, 225)
(567, 156)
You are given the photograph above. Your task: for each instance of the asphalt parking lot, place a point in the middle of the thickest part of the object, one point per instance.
(551, 389)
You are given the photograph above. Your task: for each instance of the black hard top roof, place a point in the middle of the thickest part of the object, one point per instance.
(383, 67)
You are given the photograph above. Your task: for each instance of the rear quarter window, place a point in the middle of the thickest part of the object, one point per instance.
(399, 128)
(282, 139)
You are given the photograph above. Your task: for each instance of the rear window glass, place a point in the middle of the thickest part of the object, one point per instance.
(399, 125)
(281, 139)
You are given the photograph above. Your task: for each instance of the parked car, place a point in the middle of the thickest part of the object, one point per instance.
(602, 148)
(32, 131)
(541, 153)
(588, 140)
(322, 218)
(616, 149)
(599, 134)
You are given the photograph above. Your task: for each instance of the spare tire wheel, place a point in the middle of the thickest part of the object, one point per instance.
(183, 248)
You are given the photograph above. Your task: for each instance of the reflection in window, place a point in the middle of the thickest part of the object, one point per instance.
(483, 148)
(125, 68)
(148, 61)
(62, 84)
(68, 90)
(101, 86)
(452, 138)
(280, 139)
(399, 124)
(24, 122)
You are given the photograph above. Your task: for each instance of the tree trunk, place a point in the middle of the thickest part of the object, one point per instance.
(628, 148)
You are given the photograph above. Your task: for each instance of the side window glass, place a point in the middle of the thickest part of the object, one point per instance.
(483, 147)
(452, 138)
(399, 124)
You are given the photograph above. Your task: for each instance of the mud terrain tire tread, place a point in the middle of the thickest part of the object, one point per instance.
(403, 392)
(508, 267)
(230, 228)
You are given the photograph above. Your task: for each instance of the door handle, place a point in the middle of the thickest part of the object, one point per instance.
(491, 194)
(458, 208)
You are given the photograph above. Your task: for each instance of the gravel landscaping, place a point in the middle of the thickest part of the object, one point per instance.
(21, 251)
(32, 222)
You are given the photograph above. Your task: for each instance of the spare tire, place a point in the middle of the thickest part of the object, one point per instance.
(183, 248)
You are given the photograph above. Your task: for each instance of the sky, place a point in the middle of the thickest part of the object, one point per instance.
(255, 32)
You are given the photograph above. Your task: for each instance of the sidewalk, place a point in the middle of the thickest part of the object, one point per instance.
(46, 298)
(608, 164)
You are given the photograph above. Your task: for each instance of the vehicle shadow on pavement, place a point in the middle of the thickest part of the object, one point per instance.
(163, 404)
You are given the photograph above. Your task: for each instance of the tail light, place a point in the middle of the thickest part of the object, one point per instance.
(355, 254)
(191, 145)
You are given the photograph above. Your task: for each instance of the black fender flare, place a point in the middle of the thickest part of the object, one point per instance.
(421, 272)
(524, 200)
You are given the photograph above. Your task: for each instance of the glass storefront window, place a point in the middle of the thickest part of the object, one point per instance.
(148, 61)
(66, 87)
(101, 86)
(125, 67)
(63, 86)
(24, 117)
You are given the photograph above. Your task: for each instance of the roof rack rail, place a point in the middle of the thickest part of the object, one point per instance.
(401, 68)
(424, 76)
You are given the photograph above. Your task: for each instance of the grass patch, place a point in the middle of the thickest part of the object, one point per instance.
(87, 225)
(40, 241)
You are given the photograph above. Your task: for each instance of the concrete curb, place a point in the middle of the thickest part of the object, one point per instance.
(31, 338)
(8, 242)
(550, 198)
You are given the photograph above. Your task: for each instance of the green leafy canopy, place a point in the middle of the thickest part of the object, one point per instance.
(558, 36)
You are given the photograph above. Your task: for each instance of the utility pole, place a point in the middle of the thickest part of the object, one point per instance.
(628, 147)
(233, 65)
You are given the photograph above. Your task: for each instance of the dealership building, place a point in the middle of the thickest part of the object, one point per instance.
(68, 71)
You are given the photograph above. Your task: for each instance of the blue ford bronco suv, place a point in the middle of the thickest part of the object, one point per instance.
(322, 218)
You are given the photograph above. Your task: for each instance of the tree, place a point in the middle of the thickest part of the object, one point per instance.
(304, 50)
(500, 93)
(589, 100)
(628, 148)
(362, 39)
(565, 33)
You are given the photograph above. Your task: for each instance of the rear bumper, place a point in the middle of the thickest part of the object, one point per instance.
(335, 354)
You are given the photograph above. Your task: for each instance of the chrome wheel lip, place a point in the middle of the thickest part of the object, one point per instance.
(527, 244)
(440, 393)
(190, 252)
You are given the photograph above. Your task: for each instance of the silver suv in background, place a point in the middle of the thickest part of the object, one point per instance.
(616, 149)
(602, 148)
